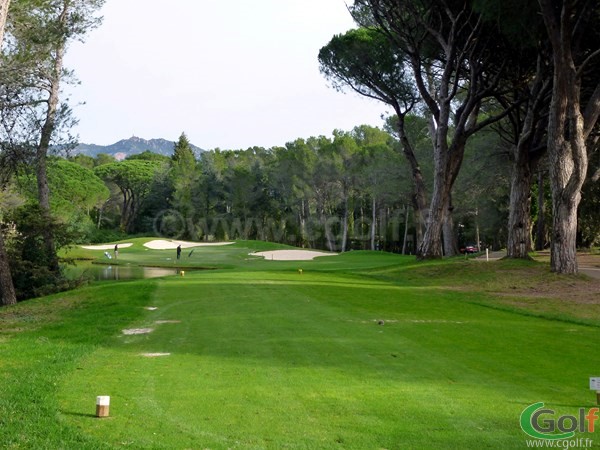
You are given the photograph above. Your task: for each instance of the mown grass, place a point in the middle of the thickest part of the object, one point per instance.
(265, 357)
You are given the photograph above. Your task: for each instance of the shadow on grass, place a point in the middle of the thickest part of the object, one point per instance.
(78, 414)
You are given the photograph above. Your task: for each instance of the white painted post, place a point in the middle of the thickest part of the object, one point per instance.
(595, 386)
(487, 254)
(102, 405)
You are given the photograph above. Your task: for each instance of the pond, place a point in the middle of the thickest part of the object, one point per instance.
(100, 272)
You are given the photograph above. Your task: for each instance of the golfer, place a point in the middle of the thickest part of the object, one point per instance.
(179, 251)
(116, 251)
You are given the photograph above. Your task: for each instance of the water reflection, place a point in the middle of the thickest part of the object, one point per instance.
(100, 272)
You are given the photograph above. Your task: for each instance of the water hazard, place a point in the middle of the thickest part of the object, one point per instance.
(101, 272)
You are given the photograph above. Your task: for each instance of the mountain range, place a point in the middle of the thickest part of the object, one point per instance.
(132, 146)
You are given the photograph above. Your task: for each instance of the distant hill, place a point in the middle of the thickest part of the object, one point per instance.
(132, 146)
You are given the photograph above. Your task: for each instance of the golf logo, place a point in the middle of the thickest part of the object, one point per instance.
(542, 423)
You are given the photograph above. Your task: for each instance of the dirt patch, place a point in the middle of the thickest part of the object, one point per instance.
(134, 331)
(159, 322)
(572, 291)
(588, 260)
(556, 295)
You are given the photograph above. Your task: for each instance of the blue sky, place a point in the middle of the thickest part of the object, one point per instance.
(231, 74)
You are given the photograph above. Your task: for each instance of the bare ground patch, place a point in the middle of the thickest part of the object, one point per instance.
(559, 296)
(134, 331)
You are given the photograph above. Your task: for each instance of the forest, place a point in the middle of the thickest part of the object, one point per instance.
(493, 143)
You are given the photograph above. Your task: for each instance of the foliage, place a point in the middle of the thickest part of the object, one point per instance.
(28, 255)
(147, 155)
(135, 179)
(589, 214)
(76, 190)
(365, 60)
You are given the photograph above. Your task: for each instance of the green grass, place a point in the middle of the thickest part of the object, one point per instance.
(265, 357)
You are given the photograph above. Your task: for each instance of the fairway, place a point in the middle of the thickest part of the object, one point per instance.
(355, 352)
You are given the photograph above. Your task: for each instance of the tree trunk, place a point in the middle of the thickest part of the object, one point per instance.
(7, 289)
(345, 225)
(419, 199)
(530, 136)
(373, 222)
(566, 136)
(44, 145)
(448, 235)
(4, 6)
(447, 161)
(519, 218)
(405, 242)
(540, 241)
(431, 247)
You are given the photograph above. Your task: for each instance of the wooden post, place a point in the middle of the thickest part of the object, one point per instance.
(102, 406)
(595, 386)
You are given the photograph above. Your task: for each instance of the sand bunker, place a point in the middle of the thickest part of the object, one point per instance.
(292, 255)
(105, 246)
(154, 355)
(159, 322)
(162, 244)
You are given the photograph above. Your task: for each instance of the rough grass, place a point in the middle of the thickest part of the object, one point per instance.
(262, 356)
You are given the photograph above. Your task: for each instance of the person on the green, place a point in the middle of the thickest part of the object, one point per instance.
(179, 251)
(116, 251)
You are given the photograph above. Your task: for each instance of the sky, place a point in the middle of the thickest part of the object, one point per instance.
(230, 74)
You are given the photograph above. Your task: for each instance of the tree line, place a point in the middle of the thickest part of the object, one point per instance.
(348, 191)
(529, 70)
(493, 139)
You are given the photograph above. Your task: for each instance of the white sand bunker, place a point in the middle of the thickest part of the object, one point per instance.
(292, 255)
(133, 331)
(154, 355)
(151, 308)
(160, 322)
(105, 246)
(162, 244)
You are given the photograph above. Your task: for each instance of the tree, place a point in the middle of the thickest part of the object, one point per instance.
(76, 192)
(382, 177)
(291, 178)
(366, 61)
(134, 179)
(40, 34)
(525, 95)
(529, 124)
(184, 177)
(446, 45)
(7, 289)
(571, 120)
